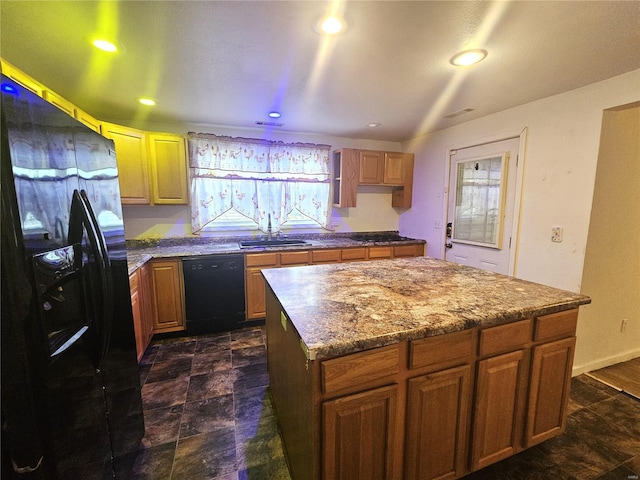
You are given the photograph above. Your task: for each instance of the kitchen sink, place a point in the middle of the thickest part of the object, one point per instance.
(270, 243)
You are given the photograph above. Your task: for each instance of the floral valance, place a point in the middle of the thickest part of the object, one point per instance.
(259, 159)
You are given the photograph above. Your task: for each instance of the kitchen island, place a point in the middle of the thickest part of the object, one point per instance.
(414, 368)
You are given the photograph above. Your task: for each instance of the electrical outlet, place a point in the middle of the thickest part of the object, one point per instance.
(437, 224)
(556, 234)
(623, 325)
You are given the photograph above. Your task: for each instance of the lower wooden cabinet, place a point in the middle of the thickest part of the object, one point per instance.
(549, 391)
(433, 408)
(437, 414)
(256, 262)
(168, 295)
(497, 423)
(359, 435)
(141, 307)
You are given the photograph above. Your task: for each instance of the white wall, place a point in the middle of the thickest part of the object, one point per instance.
(372, 213)
(563, 134)
(612, 261)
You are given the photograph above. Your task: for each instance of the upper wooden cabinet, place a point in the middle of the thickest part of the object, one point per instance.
(167, 154)
(370, 167)
(152, 167)
(382, 168)
(22, 78)
(133, 168)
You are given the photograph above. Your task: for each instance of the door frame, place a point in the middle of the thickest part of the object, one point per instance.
(517, 202)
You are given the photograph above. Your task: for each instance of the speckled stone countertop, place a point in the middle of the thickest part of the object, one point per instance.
(141, 251)
(340, 309)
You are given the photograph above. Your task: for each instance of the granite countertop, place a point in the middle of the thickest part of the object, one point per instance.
(339, 309)
(141, 251)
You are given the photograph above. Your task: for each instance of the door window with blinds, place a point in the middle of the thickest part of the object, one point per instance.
(479, 194)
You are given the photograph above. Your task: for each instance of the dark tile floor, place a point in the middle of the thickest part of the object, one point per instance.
(208, 416)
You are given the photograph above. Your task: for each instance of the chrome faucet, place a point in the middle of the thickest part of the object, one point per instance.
(269, 227)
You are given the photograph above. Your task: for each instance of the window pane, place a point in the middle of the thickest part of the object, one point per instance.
(479, 201)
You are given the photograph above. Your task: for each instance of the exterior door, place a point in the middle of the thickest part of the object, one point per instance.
(480, 213)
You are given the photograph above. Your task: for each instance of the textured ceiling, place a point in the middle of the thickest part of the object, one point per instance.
(230, 63)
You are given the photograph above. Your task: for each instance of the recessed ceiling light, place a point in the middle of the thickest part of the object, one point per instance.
(331, 25)
(468, 57)
(274, 114)
(373, 125)
(150, 102)
(105, 45)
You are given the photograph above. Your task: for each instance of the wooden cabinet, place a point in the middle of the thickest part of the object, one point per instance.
(91, 122)
(433, 408)
(168, 295)
(63, 104)
(437, 416)
(549, 390)
(345, 178)
(255, 284)
(168, 162)
(133, 167)
(436, 444)
(499, 398)
(370, 167)
(359, 435)
(382, 168)
(255, 262)
(142, 310)
(22, 78)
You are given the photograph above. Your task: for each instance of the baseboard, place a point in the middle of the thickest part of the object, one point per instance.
(604, 362)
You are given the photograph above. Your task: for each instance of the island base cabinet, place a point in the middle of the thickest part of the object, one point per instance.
(497, 423)
(437, 425)
(359, 433)
(549, 391)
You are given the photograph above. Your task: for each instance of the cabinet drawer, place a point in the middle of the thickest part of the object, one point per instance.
(294, 258)
(325, 256)
(261, 260)
(380, 252)
(354, 254)
(561, 324)
(404, 251)
(451, 348)
(505, 338)
(360, 368)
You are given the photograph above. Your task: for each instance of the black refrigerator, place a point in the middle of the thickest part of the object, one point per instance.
(71, 397)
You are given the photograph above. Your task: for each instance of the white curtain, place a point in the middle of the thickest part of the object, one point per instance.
(257, 178)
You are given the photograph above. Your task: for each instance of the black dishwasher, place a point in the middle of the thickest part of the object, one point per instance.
(214, 293)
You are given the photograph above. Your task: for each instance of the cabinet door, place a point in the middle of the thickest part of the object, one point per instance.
(371, 167)
(168, 296)
(345, 178)
(360, 434)
(402, 197)
(131, 155)
(549, 390)
(437, 424)
(255, 294)
(146, 297)
(497, 423)
(168, 161)
(136, 307)
(393, 168)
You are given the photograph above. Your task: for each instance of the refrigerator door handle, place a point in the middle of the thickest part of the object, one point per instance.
(82, 215)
